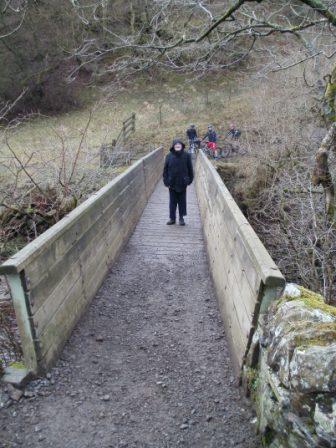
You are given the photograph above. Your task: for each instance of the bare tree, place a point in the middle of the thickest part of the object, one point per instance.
(321, 173)
(196, 36)
(15, 12)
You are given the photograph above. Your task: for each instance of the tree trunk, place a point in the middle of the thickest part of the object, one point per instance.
(330, 96)
(321, 173)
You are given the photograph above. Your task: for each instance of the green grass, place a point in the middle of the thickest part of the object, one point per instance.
(183, 101)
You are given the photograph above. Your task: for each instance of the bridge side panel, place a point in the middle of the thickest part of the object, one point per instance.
(153, 167)
(239, 263)
(65, 266)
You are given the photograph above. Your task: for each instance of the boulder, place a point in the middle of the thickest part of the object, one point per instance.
(312, 369)
(294, 379)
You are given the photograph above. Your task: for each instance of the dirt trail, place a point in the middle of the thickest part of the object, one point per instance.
(148, 365)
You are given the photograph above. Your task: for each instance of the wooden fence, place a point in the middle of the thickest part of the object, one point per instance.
(110, 154)
(55, 277)
(246, 278)
(128, 127)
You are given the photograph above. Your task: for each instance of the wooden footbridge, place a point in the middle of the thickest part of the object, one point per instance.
(54, 278)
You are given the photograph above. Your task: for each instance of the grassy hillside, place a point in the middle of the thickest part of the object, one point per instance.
(281, 128)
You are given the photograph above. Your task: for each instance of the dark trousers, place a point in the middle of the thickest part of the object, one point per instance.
(177, 199)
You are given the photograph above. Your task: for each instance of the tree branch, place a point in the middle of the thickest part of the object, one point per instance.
(320, 7)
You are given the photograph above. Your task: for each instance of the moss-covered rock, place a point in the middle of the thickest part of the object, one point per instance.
(295, 390)
(313, 368)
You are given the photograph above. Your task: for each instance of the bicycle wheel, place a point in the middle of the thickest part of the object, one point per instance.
(204, 148)
(220, 152)
(226, 152)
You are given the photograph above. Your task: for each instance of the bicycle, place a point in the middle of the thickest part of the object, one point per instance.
(204, 147)
(231, 150)
(193, 147)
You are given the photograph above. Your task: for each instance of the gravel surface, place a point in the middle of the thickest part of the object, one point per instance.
(147, 366)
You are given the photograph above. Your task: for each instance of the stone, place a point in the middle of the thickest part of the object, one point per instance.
(4, 399)
(294, 325)
(313, 369)
(291, 289)
(14, 394)
(326, 423)
(28, 394)
(293, 379)
(17, 376)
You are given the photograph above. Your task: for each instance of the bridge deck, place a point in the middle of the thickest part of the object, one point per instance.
(148, 365)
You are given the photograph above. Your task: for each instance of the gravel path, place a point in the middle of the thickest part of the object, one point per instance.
(148, 365)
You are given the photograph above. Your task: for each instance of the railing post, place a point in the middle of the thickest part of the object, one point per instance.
(133, 122)
(20, 296)
(124, 132)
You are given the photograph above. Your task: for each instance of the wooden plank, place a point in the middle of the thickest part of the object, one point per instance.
(239, 263)
(233, 272)
(60, 326)
(262, 259)
(53, 301)
(84, 255)
(67, 264)
(33, 249)
(81, 231)
(92, 276)
(53, 275)
(230, 316)
(152, 175)
(244, 250)
(227, 277)
(229, 313)
(65, 242)
(79, 295)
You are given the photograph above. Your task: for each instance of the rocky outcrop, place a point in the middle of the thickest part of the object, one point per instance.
(291, 372)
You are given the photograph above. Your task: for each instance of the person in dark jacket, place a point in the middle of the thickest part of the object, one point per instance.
(211, 136)
(178, 173)
(233, 132)
(192, 137)
(192, 132)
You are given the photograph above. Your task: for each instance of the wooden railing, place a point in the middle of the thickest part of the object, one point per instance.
(54, 278)
(246, 278)
(128, 128)
(111, 154)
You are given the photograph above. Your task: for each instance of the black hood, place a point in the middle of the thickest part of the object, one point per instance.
(176, 140)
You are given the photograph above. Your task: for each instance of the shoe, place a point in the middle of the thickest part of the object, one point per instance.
(170, 222)
(181, 222)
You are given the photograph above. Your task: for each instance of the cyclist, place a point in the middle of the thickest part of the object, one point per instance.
(211, 136)
(192, 137)
(233, 132)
